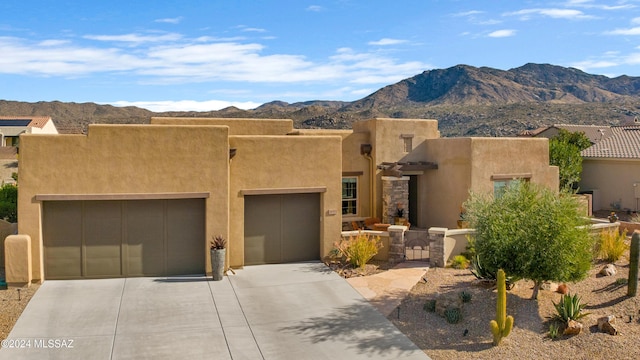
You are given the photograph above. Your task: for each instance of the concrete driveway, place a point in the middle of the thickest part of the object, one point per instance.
(285, 311)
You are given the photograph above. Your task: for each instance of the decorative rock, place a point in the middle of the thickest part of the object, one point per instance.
(551, 286)
(562, 289)
(573, 328)
(448, 301)
(608, 270)
(605, 324)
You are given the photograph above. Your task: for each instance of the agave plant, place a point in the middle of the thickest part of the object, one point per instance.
(569, 308)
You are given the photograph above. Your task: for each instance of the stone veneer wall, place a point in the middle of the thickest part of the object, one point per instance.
(395, 194)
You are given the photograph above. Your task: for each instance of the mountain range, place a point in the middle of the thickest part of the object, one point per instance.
(467, 101)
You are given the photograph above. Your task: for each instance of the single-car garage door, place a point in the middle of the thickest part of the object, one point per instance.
(116, 238)
(281, 228)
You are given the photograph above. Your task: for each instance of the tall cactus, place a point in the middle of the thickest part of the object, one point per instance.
(502, 325)
(633, 264)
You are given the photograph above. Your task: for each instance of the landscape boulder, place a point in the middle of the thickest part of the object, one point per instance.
(573, 328)
(605, 325)
(608, 270)
(448, 301)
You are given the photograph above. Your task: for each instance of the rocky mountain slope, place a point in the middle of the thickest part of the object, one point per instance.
(467, 101)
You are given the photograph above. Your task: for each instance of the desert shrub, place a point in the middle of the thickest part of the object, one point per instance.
(459, 262)
(359, 249)
(430, 306)
(453, 315)
(465, 296)
(611, 245)
(569, 308)
(553, 330)
(531, 232)
(9, 203)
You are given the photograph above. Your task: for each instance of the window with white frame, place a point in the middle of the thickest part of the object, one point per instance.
(349, 195)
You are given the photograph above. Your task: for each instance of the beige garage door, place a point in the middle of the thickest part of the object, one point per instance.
(101, 239)
(281, 228)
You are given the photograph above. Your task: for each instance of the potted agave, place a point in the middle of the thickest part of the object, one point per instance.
(218, 252)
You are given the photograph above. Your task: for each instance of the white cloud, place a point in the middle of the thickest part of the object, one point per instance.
(555, 13)
(186, 105)
(629, 31)
(316, 8)
(183, 61)
(502, 33)
(175, 20)
(135, 38)
(468, 13)
(387, 41)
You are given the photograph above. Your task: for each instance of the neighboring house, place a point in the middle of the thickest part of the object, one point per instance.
(141, 200)
(611, 170)
(11, 127)
(594, 133)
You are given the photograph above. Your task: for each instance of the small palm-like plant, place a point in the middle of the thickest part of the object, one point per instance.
(569, 308)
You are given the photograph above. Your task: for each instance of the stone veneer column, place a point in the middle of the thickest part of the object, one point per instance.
(436, 247)
(395, 192)
(396, 243)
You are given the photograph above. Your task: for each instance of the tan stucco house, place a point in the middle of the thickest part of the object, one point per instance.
(611, 170)
(142, 200)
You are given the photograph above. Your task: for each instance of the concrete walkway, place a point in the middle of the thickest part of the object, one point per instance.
(285, 311)
(386, 290)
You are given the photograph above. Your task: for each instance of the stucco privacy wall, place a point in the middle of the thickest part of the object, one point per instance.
(124, 159)
(237, 126)
(286, 164)
(614, 181)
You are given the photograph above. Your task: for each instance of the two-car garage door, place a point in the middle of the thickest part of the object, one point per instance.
(116, 238)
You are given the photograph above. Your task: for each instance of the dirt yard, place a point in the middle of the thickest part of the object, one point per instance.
(12, 303)
(471, 337)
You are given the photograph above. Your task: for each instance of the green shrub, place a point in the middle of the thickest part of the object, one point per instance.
(569, 308)
(453, 315)
(9, 203)
(611, 245)
(430, 306)
(465, 296)
(359, 249)
(460, 262)
(553, 330)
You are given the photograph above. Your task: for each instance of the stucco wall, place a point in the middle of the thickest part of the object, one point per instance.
(613, 180)
(237, 126)
(446, 188)
(286, 163)
(511, 156)
(124, 159)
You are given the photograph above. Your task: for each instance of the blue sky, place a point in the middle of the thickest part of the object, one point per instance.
(209, 54)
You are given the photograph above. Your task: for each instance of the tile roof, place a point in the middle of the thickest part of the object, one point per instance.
(595, 133)
(623, 143)
(35, 121)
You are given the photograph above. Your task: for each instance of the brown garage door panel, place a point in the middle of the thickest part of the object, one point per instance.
(262, 230)
(103, 238)
(144, 229)
(62, 224)
(185, 234)
(301, 235)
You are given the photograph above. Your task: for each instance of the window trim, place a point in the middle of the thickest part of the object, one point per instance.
(355, 199)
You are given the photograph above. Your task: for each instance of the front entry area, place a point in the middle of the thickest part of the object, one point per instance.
(121, 238)
(281, 228)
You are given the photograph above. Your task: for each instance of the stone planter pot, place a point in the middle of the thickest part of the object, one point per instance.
(217, 263)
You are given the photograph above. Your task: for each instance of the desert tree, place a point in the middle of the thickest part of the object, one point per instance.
(531, 232)
(564, 152)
